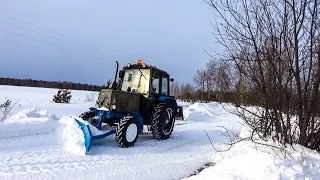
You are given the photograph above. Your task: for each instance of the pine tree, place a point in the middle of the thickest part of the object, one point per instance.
(57, 97)
(63, 96)
(66, 96)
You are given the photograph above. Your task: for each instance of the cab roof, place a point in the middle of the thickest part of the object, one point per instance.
(144, 66)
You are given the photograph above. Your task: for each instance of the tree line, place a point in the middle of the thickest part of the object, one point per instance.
(49, 84)
(212, 83)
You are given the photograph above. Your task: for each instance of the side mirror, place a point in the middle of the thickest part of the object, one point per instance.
(121, 74)
(171, 79)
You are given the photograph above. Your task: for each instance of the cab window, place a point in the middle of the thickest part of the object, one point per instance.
(164, 86)
(136, 80)
(155, 85)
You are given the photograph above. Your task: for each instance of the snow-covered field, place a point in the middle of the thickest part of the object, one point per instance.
(37, 142)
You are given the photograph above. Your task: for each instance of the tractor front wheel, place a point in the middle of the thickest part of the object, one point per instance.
(127, 131)
(162, 121)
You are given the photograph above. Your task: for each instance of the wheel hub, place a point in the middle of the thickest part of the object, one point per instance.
(131, 132)
(166, 125)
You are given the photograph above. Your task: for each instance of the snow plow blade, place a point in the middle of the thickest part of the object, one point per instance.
(91, 133)
(86, 132)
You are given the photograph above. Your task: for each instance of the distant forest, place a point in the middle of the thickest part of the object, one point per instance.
(49, 84)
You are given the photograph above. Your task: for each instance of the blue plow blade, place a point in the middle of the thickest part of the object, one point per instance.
(88, 135)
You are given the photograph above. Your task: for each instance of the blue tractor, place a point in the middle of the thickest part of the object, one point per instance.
(139, 97)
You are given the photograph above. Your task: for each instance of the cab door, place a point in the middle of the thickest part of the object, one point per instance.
(164, 89)
(159, 84)
(161, 89)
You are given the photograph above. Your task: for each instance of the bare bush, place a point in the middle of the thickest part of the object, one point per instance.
(200, 81)
(92, 97)
(6, 109)
(274, 48)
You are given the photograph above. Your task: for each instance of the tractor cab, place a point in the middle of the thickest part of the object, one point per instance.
(144, 79)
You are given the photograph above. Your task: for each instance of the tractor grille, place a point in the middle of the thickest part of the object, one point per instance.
(124, 101)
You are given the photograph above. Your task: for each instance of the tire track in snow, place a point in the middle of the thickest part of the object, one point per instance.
(46, 161)
(37, 167)
(180, 145)
(25, 135)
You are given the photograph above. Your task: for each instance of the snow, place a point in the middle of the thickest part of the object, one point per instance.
(28, 122)
(72, 137)
(29, 97)
(247, 160)
(41, 140)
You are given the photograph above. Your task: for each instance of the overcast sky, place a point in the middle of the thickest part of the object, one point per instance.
(87, 37)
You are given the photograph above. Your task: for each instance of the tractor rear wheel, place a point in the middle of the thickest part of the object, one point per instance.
(162, 121)
(127, 131)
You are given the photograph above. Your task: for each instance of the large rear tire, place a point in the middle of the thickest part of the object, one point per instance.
(162, 121)
(127, 131)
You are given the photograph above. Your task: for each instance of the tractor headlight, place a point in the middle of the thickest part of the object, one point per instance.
(113, 106)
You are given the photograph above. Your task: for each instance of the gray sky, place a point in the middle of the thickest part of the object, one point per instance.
(171, 34)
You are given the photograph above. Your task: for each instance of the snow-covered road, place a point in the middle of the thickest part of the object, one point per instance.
(34, 155)
(41, 156)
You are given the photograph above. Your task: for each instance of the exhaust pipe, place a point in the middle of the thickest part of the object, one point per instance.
(114, 85)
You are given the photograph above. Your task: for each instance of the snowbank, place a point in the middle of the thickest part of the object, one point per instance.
(182, 103)
(206, 111)
(247, 160)
(66, 131)
(217, 114)
(200, 112)
(28, 122)
(71, 136)
(34, 121)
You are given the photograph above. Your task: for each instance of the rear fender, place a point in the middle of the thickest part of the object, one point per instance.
(172, 101)
(178, 112)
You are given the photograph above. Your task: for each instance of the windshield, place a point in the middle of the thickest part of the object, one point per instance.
(137, 80)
